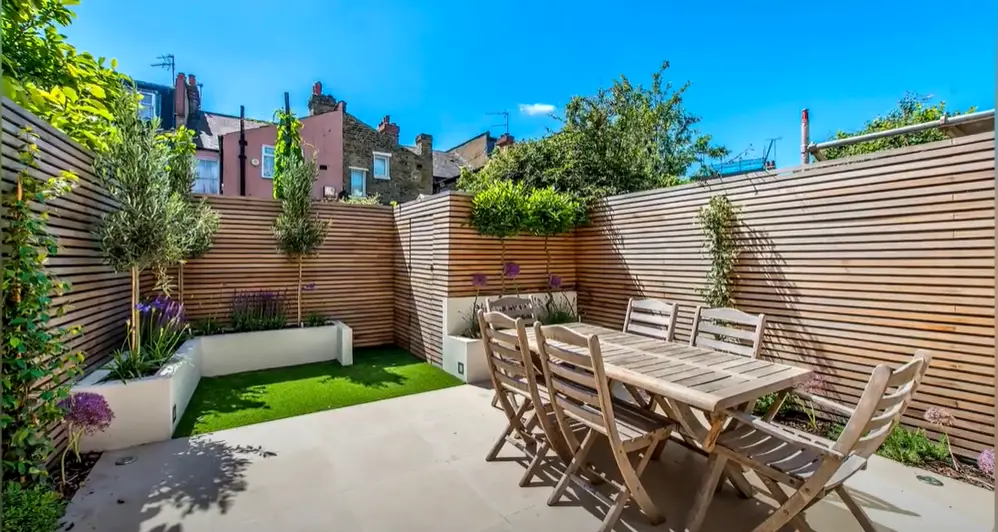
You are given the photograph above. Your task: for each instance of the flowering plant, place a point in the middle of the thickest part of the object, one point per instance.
(472, 328)
(814, 385)
(558, 309)
(509, 271)
(162, 327)
(943, 419)
(86, 413)
(986, 461)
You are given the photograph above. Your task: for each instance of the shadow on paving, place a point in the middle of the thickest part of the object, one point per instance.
(185, 476)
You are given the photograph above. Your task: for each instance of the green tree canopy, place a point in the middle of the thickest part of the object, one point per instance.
(622, 139)
(911, 109)
(47, 76)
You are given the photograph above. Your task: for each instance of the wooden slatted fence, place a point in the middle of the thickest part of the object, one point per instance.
(854, 262)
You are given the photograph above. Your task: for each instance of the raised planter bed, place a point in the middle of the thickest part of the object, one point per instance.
(148, 410)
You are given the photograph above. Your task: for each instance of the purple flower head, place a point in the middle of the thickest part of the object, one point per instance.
(813, 385)
(88, 412)
(143, 307)
(555, 281)
(309, 287)
(939, 416)
(511, 270)
(986, 462)
(479, 280)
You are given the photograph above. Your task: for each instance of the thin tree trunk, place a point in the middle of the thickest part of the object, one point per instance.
(502, 257)
(547, 262)
(299, 290)
(135, 313)
(180, 281)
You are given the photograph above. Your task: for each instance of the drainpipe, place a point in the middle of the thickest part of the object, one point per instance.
(242, 150)
(805, 136)
(221, 166)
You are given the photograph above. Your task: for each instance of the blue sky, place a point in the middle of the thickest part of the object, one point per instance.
(438, 67)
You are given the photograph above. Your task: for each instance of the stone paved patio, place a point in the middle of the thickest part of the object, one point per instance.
(416, 464)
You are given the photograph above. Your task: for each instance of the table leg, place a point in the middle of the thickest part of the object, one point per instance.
(717, 421)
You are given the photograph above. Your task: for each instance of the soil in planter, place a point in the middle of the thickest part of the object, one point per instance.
(968, 473)
(76, 472)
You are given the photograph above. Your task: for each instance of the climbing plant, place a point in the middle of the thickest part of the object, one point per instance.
(717, 220)
(287, 150)
(500, 211)
(36, 363)
(298, 229)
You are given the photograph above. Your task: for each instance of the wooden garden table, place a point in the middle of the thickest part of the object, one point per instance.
(682, 379)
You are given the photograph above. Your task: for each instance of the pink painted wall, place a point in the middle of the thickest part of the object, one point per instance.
(321, 135)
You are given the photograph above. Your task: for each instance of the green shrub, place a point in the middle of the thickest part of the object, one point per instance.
(206, 326)
(36, 509)
(315, 319)
(766, 402)
(374, 199)
(908, 447)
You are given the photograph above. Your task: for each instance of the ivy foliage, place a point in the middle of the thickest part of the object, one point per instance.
(47, 76)
(298, 229)
(622, 139)
(36, 363)
(911, 109)
(287, 151)
(717, 220)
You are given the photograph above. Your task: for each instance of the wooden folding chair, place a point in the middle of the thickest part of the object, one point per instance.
(651, 317)
(513, 376)
(580, 395)
(812, 465)
(513, 307)
(728, 330)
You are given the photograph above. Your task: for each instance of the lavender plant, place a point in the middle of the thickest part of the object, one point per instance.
(86, 413)
(259, 310)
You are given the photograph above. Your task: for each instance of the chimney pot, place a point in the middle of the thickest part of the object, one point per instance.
(317, 88)
(386, 126)
(191, 81)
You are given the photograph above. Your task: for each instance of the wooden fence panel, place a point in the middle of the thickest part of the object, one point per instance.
(349, 279)
(855, 263)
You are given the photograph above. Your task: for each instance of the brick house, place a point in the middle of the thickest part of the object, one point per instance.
(353, 158)
(471, 154)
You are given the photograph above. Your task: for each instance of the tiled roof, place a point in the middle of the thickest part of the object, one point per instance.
(208, 126)
(447, 164)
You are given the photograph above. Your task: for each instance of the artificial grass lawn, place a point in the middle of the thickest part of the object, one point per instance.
(256, 396)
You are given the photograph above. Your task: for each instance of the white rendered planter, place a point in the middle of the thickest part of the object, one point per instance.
(464, 358)
(145, 410)
(148, 410)
(224, 354)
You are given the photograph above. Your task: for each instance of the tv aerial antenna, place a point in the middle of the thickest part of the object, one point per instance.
(167, 61)
(505, 120)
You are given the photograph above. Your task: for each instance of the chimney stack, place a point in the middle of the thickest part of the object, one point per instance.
(320, 103)
(505, 140)
(386, 126)
(424, 144)
(193, 96)
(180, 100)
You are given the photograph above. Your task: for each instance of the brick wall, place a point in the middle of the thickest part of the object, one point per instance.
(411, 169)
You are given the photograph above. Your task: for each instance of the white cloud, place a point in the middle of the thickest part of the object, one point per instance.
(535, 109)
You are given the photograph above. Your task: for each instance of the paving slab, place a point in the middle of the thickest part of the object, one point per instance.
(416, 463)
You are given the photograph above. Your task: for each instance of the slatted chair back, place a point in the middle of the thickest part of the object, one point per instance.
(514, 307)
(728, 330)
(651, 317)
(507, 354)
(576, 381)
(888, 393)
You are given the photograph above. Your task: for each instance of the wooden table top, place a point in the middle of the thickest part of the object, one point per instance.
(702, 378)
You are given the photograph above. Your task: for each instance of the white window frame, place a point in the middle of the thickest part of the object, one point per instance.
(217, 176)
(263, 157)
(359, 169)
(155, 102)
(388, 165)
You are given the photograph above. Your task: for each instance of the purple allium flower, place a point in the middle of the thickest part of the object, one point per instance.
(555, 281)
(939, 416)
(986, 461)
(88, 412)
(511, 270)
(479, 280)
(309, 287)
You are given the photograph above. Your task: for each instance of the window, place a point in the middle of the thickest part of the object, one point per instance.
(382, 165)
(267, 163)
(358, 182)
(147, 107)
(207, 177)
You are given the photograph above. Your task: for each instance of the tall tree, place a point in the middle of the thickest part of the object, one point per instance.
(911, 109)
(622, 139)
(298, 229)
(287, 151)
(46, 75)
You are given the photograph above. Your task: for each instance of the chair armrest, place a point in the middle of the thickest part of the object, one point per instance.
(826, 403)
(781, 433)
